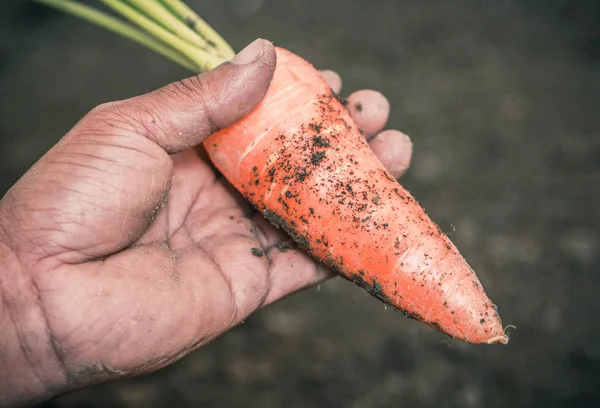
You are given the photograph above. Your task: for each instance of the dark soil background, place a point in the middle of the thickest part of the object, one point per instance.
(502, 100)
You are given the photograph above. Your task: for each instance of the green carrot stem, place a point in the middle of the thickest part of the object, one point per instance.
(115, 25)
(202, 58)
(189, 16)
(159, 13)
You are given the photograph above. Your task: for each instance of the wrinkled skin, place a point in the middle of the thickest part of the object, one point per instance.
(122, 248)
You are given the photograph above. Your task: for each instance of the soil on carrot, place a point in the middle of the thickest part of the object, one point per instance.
(317, 157)
(340, 98)
(279, 222)
(320, 141)
(374, 288)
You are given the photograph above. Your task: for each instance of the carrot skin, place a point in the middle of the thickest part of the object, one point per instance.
(300, 159)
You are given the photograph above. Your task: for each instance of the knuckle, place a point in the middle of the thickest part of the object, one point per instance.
(101, 109)
(190, 90)
(199, 91)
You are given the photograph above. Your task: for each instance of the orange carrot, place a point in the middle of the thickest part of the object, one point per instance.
(300, 159)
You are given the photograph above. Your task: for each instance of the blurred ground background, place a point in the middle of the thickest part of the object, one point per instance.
(502, 100)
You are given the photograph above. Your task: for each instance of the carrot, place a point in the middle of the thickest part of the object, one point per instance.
(300, 159)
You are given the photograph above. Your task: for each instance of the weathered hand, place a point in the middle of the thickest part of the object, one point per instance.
(124, 250)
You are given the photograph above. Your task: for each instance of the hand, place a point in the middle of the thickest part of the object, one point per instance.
(122, 248)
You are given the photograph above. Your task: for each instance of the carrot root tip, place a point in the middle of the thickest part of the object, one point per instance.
(502, 339)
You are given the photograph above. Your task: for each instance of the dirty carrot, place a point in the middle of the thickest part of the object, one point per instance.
(301, 160)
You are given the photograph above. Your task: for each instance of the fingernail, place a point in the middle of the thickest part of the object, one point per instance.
(249, 54)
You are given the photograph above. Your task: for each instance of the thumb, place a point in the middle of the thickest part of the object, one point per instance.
(184, 113)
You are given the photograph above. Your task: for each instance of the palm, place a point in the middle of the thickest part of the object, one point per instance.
(196, 271)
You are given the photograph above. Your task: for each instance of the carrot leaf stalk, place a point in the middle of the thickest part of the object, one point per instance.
(200, 56)
(194, 21)
(312, 174)
(157, 12)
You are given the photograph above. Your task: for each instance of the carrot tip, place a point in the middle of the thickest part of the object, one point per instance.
(503, 339)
